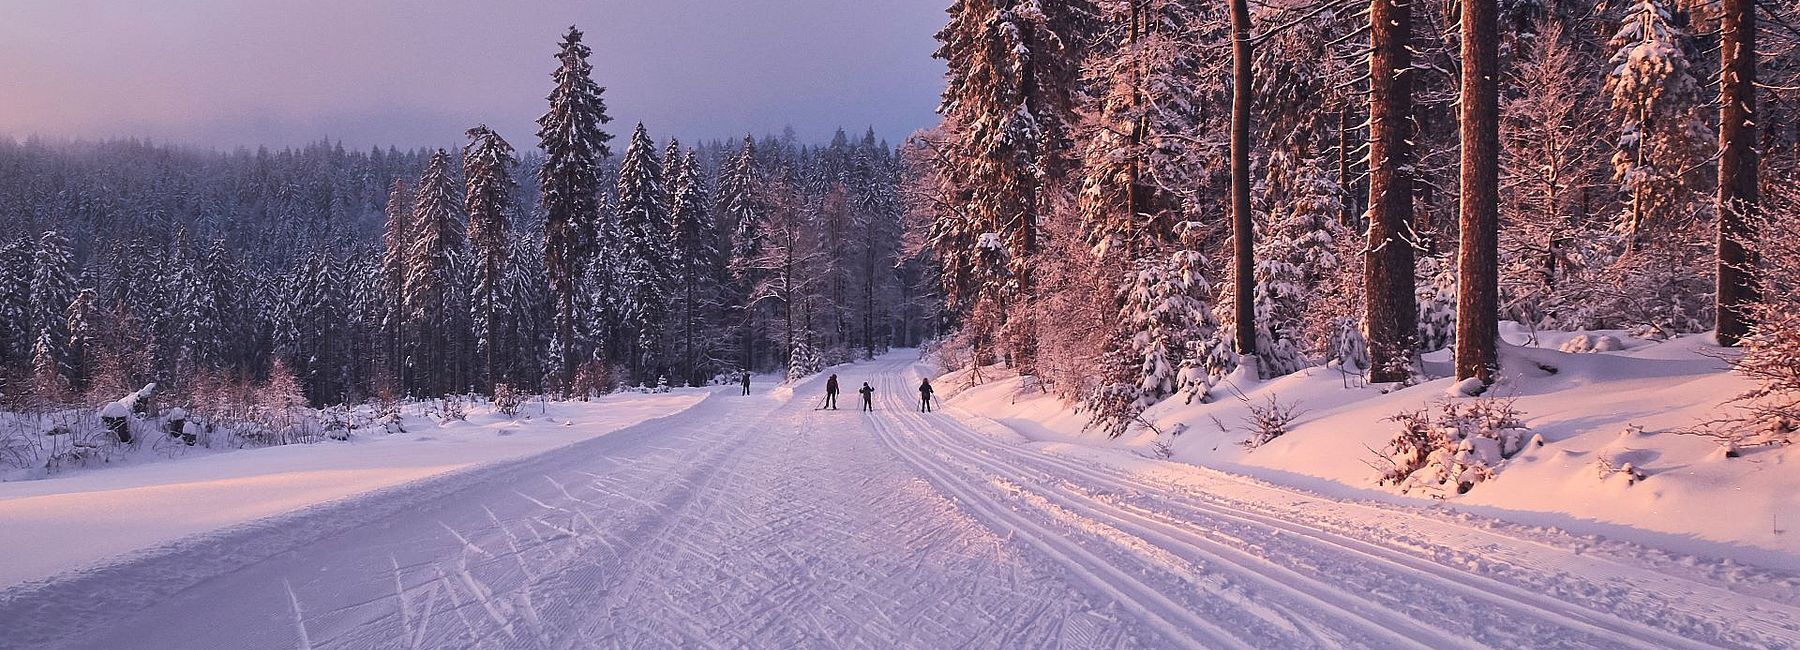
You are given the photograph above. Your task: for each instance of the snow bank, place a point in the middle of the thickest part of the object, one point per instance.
(56, 524)
(1606, 412)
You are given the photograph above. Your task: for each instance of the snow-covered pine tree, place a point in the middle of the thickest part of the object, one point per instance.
(1389, 318)
(878, 208)
(49, 376)
(52, 290)
(742, 208)
(1008, 112)
(574, 145)
(1739, 165)
(1297, 253)
(15, 302)
(318, 319)
(1656, 101)
(530, 320)
(432, 259)
(695, 261)
(396, 238)
(1138, 158)
(645, 278)
(79, 323)
(1168, 315)
(488, 197)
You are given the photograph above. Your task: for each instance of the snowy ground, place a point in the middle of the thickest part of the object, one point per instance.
(144, 499)
(761, 522)
(1692, 499)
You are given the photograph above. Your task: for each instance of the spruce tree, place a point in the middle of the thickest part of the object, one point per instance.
(15, 302)
(694, 245)
(396, 239)
(643, 259)
(1009, 110)
(1656, 101)
(741, 210)
(53, 289)
(432, 258)
(574, 145)
(79, 351)
(487, 170)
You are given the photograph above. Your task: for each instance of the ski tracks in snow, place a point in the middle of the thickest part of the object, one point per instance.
(1264, 575)
(756, 522)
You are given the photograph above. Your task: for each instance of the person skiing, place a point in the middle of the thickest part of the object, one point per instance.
(746, 382)
(868, 393)
(831, 390)
(925, 395)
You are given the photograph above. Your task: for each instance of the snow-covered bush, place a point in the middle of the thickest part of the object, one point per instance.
(337, 421)
(1350, 348)
(593, 379)
(1268, 420)
(507, 400)
(1606, 469)
(452, 408)
(1588, 343)
(1437, 303)
(1452, 448)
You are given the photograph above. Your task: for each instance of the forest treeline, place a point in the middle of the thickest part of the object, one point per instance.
(1133, 199)
(1128, 200)
(570, 269)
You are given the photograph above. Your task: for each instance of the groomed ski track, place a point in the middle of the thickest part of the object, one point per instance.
(760, 522)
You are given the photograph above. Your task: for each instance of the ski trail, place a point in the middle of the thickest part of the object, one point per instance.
(299, 616)
(757, 522)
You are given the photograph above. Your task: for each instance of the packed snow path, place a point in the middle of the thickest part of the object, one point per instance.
(761, 522)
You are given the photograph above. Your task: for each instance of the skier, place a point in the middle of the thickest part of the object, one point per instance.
(831, 390)
(868, 393)
(925, 396)
(746, 382)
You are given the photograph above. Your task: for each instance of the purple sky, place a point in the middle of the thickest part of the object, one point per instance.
(222, 73)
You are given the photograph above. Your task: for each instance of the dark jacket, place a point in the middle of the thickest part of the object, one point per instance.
(831, 385)
(925, 388)
(867, 391)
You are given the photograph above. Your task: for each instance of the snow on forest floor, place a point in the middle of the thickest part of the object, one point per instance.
(150, 494)
(1598, 409)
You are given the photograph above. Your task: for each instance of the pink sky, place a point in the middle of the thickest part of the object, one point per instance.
(223, 73)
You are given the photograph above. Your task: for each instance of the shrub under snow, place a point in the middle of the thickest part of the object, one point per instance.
(1453, 447)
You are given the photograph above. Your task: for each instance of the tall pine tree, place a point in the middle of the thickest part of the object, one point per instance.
(488, 198)
(574, 145)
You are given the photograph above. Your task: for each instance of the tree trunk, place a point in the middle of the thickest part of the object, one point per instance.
(1738, 163)
(1391, 321)
(1478, 284)
(1243, 234)
(1347, 204)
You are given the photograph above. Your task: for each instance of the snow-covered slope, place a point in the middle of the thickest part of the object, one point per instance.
(1593, 410)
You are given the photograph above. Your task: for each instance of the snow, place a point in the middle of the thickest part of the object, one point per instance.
(761, 522)
(87, 516)
(1467, 388)
(1691, 499)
